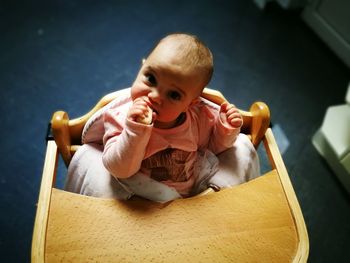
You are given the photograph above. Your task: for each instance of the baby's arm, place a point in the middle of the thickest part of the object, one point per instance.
(125, 140)
(226, 129)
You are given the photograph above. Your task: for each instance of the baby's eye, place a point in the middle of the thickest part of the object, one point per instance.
(151, 79)
(174, 95)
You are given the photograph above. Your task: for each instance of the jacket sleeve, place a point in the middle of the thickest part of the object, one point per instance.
(223, 136)
(125, 144)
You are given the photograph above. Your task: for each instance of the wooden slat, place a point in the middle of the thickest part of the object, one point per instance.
(278, 164)
(41, 219)
(248, 223)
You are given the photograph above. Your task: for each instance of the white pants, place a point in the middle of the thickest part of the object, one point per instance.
(88, 176)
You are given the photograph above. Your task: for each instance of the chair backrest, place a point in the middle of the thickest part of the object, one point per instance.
(67, 133)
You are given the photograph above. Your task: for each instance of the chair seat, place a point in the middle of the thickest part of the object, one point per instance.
(233, 224)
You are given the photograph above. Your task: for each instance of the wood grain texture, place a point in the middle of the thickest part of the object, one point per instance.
(249, 223)
(44, 200)
(278, 164)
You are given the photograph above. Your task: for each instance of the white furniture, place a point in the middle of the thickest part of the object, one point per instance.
(330, 19)
(332, 140)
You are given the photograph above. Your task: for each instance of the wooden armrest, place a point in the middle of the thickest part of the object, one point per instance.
(60, 131)
(260, 121)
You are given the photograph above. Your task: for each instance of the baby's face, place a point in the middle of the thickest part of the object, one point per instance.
(167, 84)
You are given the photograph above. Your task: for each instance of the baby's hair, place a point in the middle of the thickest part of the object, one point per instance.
(194, 52)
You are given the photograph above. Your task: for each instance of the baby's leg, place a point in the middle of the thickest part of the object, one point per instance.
(237, 165)
(88, 176)
(149, 188)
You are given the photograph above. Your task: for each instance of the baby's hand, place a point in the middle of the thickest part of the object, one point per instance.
(140, 112)
(230, 115)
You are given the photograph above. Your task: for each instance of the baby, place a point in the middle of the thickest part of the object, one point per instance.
(161, 139)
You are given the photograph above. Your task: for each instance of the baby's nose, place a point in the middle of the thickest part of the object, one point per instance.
(154, 96)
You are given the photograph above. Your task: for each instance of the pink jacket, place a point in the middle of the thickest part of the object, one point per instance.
(127, 143)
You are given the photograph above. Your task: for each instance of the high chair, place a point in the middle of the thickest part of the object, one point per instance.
(258, 221)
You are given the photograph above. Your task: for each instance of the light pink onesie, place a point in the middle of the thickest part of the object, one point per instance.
(166, 155)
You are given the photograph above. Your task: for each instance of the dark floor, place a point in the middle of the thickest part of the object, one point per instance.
(66, 54)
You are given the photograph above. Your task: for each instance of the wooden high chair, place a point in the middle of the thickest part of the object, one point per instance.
(258, 221)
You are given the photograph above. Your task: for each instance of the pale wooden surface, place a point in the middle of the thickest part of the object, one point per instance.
(249, 223)
(277, 163)
(42, 212)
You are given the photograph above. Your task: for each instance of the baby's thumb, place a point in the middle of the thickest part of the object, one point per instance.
(222, 113)
(223, 107)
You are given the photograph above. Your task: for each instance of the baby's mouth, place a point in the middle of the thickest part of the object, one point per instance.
(149, 104)
(154, 115)
(155, 111)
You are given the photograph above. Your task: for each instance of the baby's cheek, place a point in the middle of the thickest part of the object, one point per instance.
(138, 90)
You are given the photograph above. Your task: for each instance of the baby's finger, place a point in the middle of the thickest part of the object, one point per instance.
(140, 101)
(232, 110)
(138, 109)
(233, 118)
(135, 113)
(139, 106)
(146, 118)
(223, 107)
(236, 122)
